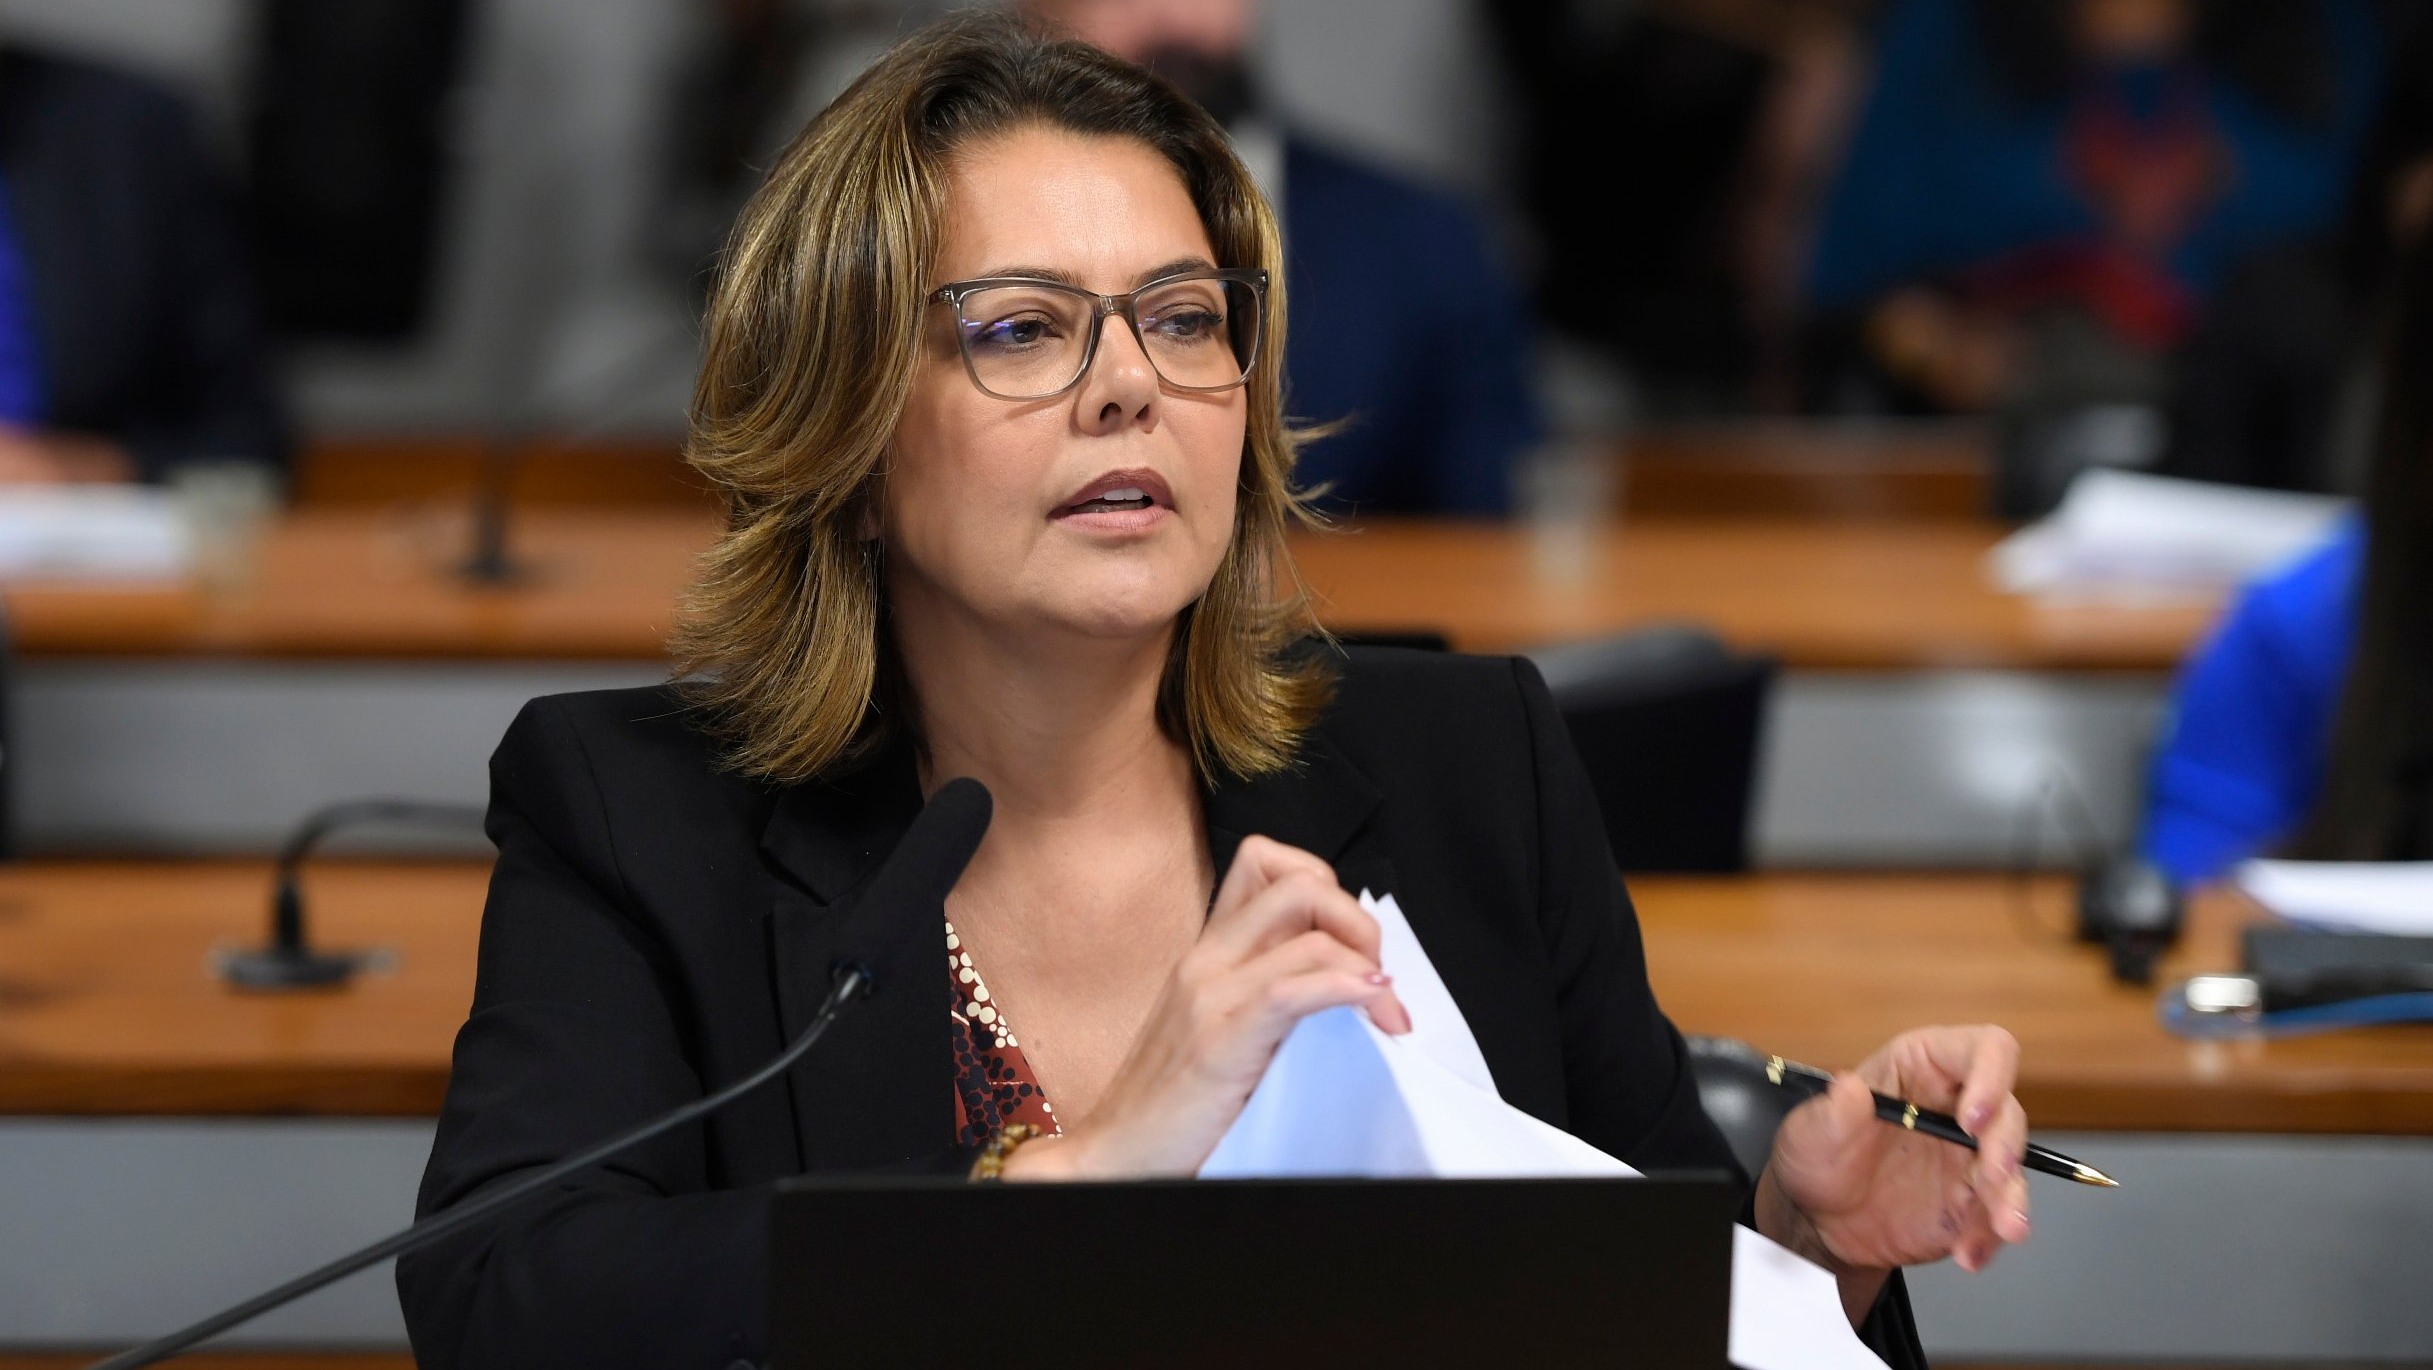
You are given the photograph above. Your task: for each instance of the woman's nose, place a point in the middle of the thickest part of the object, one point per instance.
(1122, 384)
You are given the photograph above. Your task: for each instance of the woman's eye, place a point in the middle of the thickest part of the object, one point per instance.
(1016, 332)
(1187, 324)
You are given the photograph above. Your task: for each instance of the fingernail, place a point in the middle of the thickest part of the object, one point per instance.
(1379, 977)
(1978, 1117)
(2019, 1216)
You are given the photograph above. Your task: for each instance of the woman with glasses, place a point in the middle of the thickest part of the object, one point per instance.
(991, 392)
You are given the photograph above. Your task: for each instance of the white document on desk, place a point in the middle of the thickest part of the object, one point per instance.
(91, 533)
(2345, 896)
(1342, 1098)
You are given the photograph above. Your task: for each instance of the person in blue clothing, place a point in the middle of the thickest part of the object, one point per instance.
(2252, 715)
(1406, 329)
(2107, 159)
(2304, 727)
(131, 334)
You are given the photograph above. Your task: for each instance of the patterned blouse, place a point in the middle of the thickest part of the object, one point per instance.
(993, 1083)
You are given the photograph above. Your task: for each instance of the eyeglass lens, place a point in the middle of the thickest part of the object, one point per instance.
(1027, 341)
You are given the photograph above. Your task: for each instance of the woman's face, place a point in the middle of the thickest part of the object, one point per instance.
(988, 505)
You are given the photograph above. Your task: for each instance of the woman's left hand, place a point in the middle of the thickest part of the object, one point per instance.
(1862, 1198)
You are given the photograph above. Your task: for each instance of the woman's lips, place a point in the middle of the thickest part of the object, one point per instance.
(1118, 502)
(1125, 518)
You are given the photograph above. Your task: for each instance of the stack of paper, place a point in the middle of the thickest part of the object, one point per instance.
(91, 532)
(2125, 534)
(1342, 1098)
(2349, 896)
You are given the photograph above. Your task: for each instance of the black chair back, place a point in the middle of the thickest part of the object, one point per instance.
(1744, 1105)
(1668, 721)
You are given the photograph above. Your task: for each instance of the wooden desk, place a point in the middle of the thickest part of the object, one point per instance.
(1823, 968)
(106, 1006)
(1830, 596)
(356, 584)
(1869, 469)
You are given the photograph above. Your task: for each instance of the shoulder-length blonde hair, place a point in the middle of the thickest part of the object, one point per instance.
(812, 338)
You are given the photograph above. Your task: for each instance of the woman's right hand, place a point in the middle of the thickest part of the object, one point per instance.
(1283, 942)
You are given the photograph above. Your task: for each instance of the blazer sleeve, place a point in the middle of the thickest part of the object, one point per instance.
(1631, 1091)
(573, 1038)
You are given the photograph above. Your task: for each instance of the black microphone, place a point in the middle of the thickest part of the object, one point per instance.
(2126, 903)
(288, 961)
(919, 874)
(489, 564)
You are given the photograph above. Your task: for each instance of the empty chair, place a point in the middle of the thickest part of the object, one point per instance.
(1667, 720)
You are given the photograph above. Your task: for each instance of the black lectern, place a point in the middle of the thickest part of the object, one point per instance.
(1338, 1273)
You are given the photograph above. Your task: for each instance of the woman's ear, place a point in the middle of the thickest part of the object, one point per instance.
(868, 526)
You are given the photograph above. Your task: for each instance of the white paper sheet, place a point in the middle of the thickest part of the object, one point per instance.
(1342, 1098)
(2351, 896)
(2127, 535)
(1787, 1313)
(84, 532)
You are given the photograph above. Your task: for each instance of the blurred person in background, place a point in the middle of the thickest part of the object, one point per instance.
(2060, 184)
(2305, 725)
(1406, 324)
(2278, 386)
(130, 335)
(1671, 157)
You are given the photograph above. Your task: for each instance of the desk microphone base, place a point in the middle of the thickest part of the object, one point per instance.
(280, 969)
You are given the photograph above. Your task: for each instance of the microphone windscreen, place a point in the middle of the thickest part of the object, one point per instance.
(928, 860)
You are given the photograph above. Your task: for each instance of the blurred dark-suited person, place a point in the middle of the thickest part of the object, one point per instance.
(131, 339)
(2304, 726)
(1412, 328)
(988, 390)
(2041, 186)
(2280, 384)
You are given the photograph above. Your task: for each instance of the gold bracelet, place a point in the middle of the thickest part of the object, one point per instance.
(990, 1168)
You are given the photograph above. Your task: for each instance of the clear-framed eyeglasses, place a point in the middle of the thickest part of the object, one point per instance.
(1028, 339)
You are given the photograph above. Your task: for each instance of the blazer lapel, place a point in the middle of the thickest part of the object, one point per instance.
(877, 1090)
(1322, 805)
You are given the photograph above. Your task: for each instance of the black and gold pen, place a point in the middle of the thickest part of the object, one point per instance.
(1809, 1081)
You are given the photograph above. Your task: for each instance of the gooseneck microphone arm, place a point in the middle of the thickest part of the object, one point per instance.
(852, 982)
(288, 961)
(917, 875)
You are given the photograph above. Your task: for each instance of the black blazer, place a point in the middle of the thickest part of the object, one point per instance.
(657, 928)
(144, 305)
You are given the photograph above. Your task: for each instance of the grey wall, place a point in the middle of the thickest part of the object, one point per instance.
(1905, 770)
(2217, 1250)
(1410, 82)
(138, 1227)
(120, 756)
(200, 46)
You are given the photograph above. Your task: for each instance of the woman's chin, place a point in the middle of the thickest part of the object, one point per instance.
(1116, 618)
